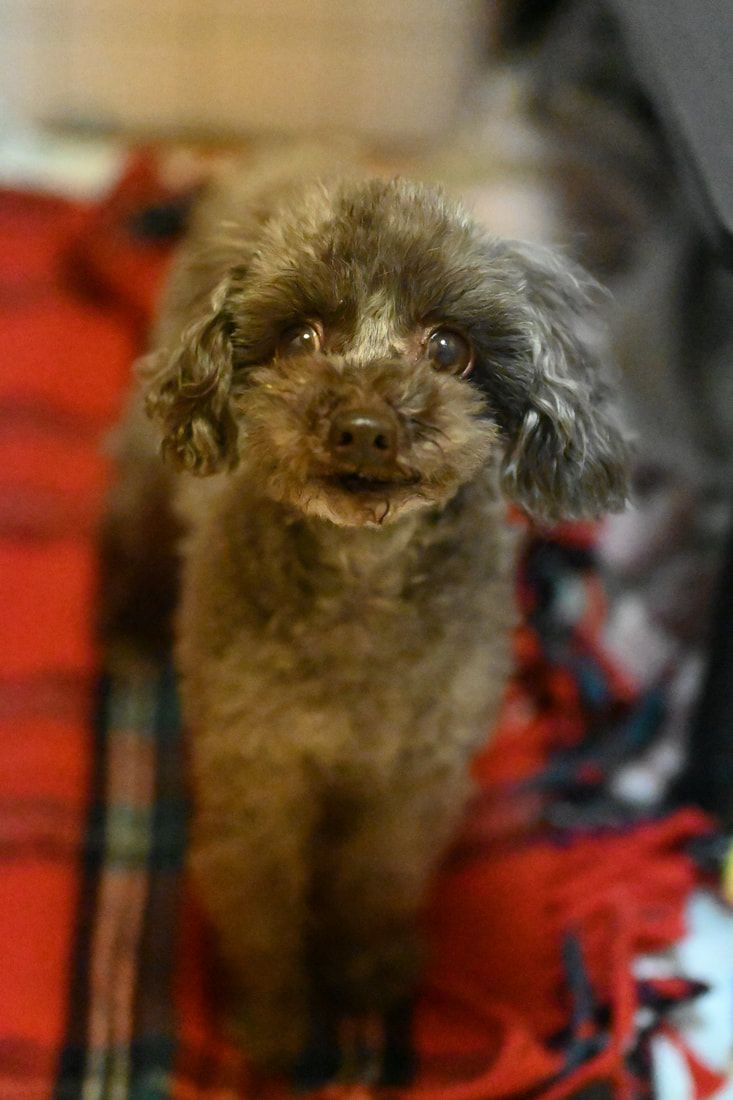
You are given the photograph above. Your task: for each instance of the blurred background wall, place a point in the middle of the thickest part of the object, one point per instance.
(397, 71)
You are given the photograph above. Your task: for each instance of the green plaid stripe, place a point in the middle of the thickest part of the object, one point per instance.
(121, 1019)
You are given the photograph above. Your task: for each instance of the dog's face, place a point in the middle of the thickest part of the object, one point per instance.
(371, 349)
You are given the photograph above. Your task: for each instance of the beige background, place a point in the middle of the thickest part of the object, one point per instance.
(391, 68)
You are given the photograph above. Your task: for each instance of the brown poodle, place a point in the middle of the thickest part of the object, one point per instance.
(359, 379)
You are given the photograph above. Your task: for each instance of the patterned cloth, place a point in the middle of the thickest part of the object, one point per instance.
(107, 984)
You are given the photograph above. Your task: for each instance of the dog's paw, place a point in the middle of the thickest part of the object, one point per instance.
(374, 977)
(272, 1036)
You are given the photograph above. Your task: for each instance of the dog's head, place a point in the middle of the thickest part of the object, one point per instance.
(371, 349)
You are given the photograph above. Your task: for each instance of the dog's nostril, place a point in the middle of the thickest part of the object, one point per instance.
(381, 443)
(346, 439)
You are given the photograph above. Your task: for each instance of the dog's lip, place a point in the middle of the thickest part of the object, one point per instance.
(360, 483)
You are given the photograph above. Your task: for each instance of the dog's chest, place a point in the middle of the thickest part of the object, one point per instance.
(354, 654)
(391, 638)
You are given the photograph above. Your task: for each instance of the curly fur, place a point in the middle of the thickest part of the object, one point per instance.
(335, 252)
(343, 653)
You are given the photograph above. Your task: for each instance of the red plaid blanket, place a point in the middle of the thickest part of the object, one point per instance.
(105, 980)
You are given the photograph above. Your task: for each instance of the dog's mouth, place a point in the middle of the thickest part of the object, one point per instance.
(356, 484)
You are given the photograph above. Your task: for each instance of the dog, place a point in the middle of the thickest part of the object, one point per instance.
(349, 384)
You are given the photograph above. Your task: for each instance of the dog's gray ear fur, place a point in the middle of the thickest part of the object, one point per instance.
(566, 455)
(189, 388)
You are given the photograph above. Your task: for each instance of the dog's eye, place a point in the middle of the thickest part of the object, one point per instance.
(299, 340)
(449, 351)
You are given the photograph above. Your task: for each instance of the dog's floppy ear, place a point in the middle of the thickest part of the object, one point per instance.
(566, 455)
(189, 388)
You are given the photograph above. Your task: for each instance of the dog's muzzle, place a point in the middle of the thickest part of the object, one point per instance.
(362, 444)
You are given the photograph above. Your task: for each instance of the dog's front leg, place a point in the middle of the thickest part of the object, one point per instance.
(371, 887)
(249, 858)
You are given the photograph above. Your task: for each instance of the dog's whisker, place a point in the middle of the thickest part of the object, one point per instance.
(385, 513)
(428, 429)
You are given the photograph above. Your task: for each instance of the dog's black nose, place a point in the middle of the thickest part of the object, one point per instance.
(363, 439)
